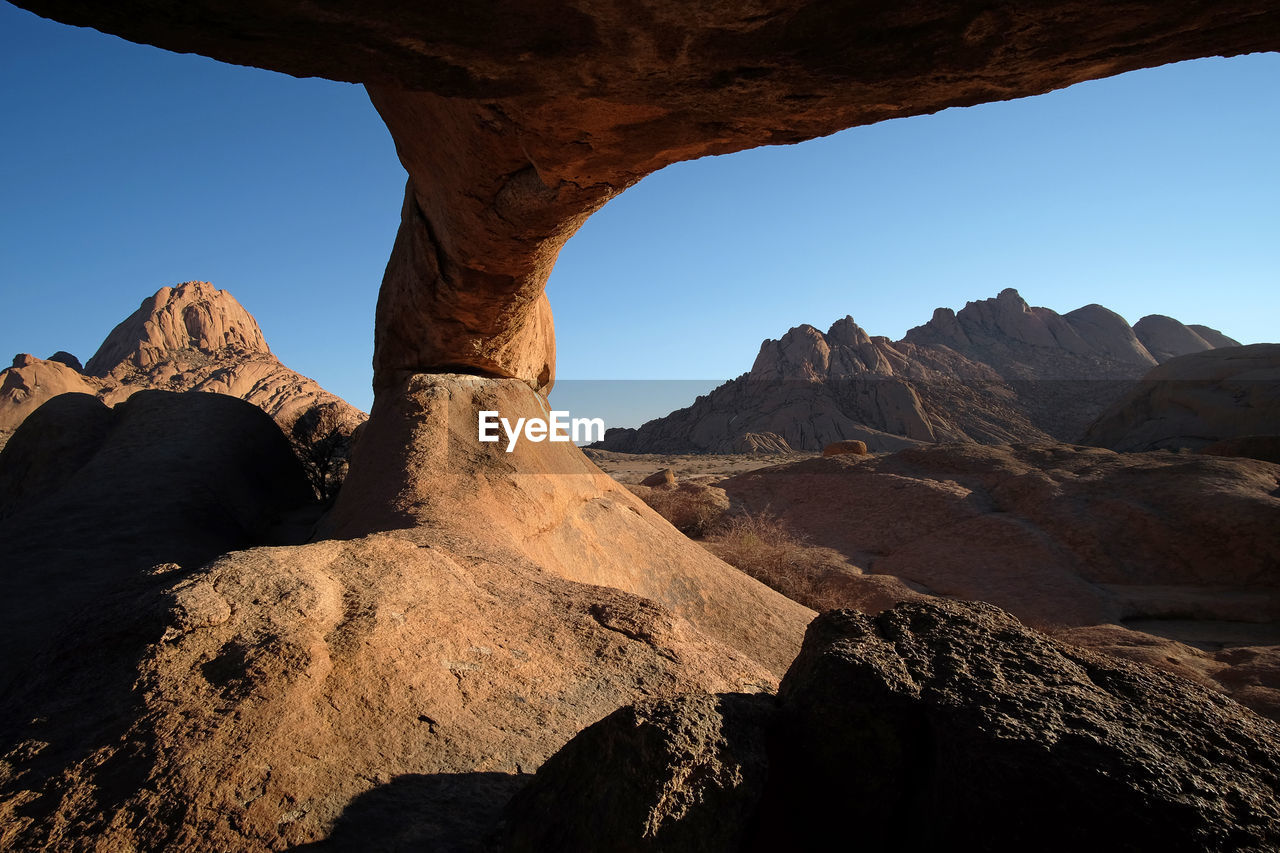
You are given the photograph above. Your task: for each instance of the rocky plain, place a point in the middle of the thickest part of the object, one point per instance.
(997, 613)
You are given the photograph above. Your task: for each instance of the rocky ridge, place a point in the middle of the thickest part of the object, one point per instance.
(997, 371)
(192, 337)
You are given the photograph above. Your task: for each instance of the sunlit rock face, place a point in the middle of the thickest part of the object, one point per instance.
(516, 120)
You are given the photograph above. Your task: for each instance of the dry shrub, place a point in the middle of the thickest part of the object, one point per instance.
(695, 510)
(758, 544)
(766, 548)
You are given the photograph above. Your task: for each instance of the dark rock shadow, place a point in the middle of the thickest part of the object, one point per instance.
(442, 812)
(105, 510)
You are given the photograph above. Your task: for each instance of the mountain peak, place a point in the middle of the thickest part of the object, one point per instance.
(194, 315)
(845, 332)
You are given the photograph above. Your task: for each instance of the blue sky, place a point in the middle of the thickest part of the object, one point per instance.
(125, 168)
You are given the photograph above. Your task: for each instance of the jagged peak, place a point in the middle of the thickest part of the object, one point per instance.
(846, 332)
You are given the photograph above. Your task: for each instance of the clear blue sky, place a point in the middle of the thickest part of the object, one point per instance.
(125, 168)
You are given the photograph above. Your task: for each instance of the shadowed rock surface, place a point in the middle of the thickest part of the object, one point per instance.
(996, 372)
(675, 774)
(277, 688)
(930, 726)
(1195, 401)
(275, 696)
(948, 724)
(91, 498)
(1264, 447)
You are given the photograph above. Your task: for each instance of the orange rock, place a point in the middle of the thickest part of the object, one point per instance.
(419, 469)
(840, 448)
(665, 477)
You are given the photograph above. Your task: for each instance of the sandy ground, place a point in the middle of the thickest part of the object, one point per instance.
(634, 467)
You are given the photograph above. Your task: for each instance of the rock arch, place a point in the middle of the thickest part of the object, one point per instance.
(517, 119)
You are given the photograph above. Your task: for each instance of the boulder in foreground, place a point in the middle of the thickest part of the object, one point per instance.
(943, 725)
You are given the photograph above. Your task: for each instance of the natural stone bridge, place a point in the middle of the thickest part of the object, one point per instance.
(298, 687)
(516, 119)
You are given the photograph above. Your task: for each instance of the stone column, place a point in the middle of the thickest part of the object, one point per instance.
(480, 230)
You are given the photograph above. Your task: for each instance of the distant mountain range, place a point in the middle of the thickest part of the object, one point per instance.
(997, 371)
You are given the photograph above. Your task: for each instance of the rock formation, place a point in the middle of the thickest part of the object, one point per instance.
(1166, 338)
(194, 337)
(997, 371)
(284, 690)
(92, 497)
(674, 774)
(29, 383)
(323, 669)
(1022, 342)
(194, 318)
(64, 357)
(1264, 447)
(1196, 401)
(942, 725)
(663, 477)
(545, 502)
(516, 123)
(274, 696)
(839, 448)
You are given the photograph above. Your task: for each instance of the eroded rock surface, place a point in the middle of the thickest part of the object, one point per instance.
(281, 695)
(193, 316)
(674, 774)
(952, 724)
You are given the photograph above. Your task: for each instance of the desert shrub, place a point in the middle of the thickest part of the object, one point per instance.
(322, 441)
(766, 548)
(693, 509)
(758, 544)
